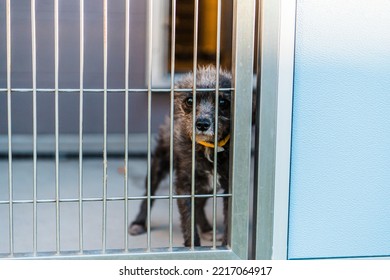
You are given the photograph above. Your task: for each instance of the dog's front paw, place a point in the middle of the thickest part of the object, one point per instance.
(208, 235)
(136, 229)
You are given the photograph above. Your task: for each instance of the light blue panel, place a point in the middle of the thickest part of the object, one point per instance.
(340, 162)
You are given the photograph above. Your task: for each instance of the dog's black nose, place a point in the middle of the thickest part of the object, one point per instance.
(203, 124)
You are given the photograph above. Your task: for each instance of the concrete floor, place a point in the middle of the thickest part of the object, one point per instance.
(93, 211)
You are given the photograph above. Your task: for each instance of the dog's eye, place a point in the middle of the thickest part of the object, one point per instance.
(189, 101)
(223, 103)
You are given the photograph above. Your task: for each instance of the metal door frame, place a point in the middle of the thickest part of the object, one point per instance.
(243, 49)
(276, 43)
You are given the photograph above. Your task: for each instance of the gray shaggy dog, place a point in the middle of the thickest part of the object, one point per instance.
(204, 151)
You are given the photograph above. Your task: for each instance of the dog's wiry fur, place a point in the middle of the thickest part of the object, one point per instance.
(182, 147)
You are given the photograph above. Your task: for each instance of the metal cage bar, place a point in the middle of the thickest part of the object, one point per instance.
(149, 92)
(9, 116)
(119, 198)
(81, 118)
(215, 177)
(194, 89)
(171, 113)
(126, 150)
(34, 91)
(56, 117)
(109, 90)
(105, 116)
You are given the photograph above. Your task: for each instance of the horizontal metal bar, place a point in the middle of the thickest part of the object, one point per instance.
(97, 199)
(112, 90)
(204, 252)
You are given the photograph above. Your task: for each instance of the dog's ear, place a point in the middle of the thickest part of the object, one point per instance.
(185, 82)
(225, 78)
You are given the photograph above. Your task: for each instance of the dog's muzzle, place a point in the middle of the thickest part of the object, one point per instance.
(203, 124)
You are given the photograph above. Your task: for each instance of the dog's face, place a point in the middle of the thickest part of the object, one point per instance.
(205, 105)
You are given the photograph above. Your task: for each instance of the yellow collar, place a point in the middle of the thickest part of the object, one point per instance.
(211, 145)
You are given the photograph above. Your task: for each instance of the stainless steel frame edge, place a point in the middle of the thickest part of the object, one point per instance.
(243, 52)
(272, 169)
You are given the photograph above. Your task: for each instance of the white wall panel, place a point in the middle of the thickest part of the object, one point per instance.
(340, 164)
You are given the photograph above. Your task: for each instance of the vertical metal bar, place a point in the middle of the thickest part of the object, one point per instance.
(243, 50)
(81, 117)
(195, 62)
(256, 178)
(127, 54)
(10, 166)
(56, 61)
(104, 226)
(173, 50)
(215, 178)
(34, 89)
(149, 81)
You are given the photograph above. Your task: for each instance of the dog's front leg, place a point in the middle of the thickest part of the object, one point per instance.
(201, 219)
(184, 206)
(226, 218)
(159, 169)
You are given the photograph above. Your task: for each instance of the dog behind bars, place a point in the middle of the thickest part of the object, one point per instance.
(204, 151)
